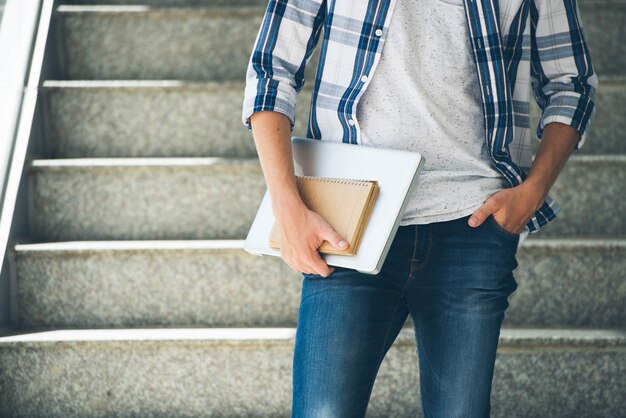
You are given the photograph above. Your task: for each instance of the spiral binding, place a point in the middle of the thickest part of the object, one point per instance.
(359, 182)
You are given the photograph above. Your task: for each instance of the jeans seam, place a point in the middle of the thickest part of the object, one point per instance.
(425, 356)
(382, 348)
(413, 254)
(430, 236)
(426, 258)
(393, 315)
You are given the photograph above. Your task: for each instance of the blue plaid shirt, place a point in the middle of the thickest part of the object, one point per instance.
(518, 46)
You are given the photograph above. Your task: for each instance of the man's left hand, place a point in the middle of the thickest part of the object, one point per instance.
(512, 208)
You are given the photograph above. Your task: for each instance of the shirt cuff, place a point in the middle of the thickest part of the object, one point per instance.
(269, 94)
(523, 235)
(570, 108)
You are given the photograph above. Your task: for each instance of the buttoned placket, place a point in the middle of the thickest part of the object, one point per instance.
(378, 32)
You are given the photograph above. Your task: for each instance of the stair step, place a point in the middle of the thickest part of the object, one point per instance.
(169, 118)
(145, 198)
(592, 197)
(105, 284)
(214, 43)
(217, 198)
(143, 42)
(165, 118)
(152, 283)
(205, 372)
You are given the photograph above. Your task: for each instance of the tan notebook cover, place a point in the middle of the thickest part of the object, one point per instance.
(345, 204)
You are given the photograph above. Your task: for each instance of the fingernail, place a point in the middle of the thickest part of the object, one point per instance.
(343, 243)
(473, 221)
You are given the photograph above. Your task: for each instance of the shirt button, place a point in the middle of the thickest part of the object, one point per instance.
(378, 32)
(364, 78)
(351, 121)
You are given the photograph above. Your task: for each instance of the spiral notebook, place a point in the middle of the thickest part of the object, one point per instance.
(396, 174)
(346, 204)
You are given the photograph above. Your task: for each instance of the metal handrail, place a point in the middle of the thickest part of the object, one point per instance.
(31, 22)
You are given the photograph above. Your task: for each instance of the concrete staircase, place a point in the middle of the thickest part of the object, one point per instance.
(135, 297)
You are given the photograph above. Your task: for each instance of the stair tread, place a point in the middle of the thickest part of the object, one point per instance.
(158, 161)
(106, 7)
(139, 8)
(508, 336)
(219, 244)
(187, 161)
(168, 82)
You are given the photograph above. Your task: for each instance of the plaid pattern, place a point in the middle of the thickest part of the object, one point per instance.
(519, 46)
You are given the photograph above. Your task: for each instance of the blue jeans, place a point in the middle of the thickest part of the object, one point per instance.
(454, 280)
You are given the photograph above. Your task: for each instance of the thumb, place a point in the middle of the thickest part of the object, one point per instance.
(479, 216)
(335, 239)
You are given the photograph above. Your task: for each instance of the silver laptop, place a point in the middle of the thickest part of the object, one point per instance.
(397, 172)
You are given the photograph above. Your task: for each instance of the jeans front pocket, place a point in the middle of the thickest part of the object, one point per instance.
(499, 228)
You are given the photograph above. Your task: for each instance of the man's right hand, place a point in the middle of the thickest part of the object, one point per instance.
(302, 232)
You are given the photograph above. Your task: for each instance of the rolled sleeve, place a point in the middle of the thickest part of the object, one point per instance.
(285, 41)
(269, 94)
(571, 109)
(562, 74)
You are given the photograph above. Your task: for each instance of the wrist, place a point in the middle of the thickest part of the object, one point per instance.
(534, 193)
(287, 203)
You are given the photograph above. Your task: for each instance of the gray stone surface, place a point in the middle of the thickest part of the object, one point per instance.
(569, 283)
(218, 284)
(151, 119)
(603, 26)
(185, 119)
(560, 373)
(591, 193)
(212, 43)
(208, 283)
(91, 199)
(156, 43)
(144, 199)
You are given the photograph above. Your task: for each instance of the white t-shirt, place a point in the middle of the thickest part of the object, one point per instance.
(425, 96)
